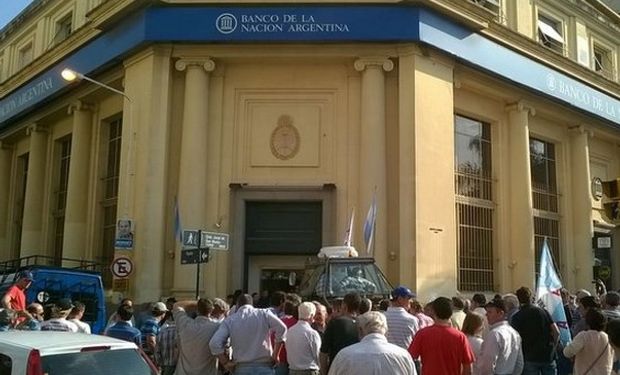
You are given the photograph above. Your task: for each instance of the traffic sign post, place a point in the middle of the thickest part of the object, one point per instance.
(197, 245)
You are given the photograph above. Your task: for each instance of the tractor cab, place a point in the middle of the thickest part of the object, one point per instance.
(338, 270)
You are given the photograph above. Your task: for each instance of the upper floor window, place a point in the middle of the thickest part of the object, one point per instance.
(551, 33)
(492, 5)
(64, 26)
(1, 69)
(602, 61)
(543, 171)
(25, 55)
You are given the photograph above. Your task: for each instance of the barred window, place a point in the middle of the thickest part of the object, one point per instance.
(474, 207)
(64, 159)
(22, 178)
(110, 196)
(545, 198)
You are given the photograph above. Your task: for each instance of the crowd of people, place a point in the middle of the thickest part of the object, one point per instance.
(279, 334)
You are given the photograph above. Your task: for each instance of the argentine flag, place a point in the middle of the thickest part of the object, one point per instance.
(369, 224)
(548, 293)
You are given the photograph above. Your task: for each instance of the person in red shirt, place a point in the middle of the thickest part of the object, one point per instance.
(15, 297)
(441, 348)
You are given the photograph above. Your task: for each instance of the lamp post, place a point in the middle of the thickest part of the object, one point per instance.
(71, 75)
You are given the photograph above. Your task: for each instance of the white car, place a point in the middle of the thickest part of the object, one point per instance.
(47, 352)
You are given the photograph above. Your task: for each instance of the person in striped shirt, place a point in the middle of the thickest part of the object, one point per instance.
(402, 326)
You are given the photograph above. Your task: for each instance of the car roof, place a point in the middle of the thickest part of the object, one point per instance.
(51, 342)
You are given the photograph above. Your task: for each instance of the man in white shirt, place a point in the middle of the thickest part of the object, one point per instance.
(373, 355)
(501, 350)
(58, 318)
(76, 315)
(303, 343)
(402, 325)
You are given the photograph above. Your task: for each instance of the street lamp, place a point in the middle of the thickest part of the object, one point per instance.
(70, 75)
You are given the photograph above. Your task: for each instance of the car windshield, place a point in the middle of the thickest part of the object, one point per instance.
(123, 361)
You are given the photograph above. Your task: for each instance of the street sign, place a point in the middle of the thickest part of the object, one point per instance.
(190, 239)
(214, 241)
(122, 267)
(194, 256)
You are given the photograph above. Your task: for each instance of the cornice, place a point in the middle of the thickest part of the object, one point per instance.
(533, 50)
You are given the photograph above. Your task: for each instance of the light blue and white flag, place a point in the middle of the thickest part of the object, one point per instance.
(348, 234)
(548, 293)
(178, 230)
(369, 224)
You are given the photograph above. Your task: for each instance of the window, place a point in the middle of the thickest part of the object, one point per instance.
(64, 159)
(492, 5)
(550, 33)
(544, 198)
(1, 69)
(63, 28)
(602, 61)
(474, 204)
(6, 364)
(21, 179)
(25, 56)
(110, 195)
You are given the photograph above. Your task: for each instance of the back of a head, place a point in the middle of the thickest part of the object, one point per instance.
(291, 308)
(458, 303)
(442, 307)
(306, 310)
(204, 306)
(125, 312)
(365, 305)
(277, 298)
(220, 304)
(589, 302)
(480, 299)
(7, 317)
(78, 307)
(524, 294)
(612, 299)
(472, 324)
(372, 322)
(352, 302)
(595, 319)
(244, 299)
(511, 301)
(384, 304)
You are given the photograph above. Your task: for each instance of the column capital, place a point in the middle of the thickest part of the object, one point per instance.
(79, 105)
(35, 128)
(580, 129)
(206, 63)
(377, 61)
(520, 106)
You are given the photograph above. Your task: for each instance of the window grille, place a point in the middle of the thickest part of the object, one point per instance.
(61, 196)
(110, 196)
(474, 207)
(544, 199)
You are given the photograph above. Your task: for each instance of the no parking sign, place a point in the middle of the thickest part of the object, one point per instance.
(122, 267)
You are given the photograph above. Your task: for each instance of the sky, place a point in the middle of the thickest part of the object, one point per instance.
(11, 8)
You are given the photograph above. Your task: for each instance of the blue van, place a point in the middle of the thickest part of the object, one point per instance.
(51, 283)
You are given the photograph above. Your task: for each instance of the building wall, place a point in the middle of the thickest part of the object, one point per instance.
(373, 120)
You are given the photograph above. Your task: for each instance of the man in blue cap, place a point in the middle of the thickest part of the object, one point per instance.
(402, 326)
(15, 296)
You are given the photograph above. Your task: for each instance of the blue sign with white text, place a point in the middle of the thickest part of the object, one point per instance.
(395, 23)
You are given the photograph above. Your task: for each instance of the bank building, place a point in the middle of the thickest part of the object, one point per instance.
(478, 128)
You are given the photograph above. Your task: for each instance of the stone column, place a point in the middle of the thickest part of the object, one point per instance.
(32, 241)
(581, 204)
(522, 263)
(372, 150)
(6, 154)
(192, 194)
(74, 244)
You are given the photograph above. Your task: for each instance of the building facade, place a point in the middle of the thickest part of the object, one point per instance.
(477, 127)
